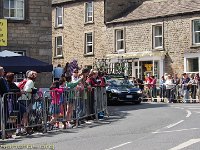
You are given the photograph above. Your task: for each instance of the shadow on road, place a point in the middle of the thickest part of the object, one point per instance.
(117, 113)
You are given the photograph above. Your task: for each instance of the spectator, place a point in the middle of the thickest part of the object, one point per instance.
(148, 81)
(193, 85)
(169, 88)
(140, 83)
(16, 105)
(153, 87)
(177, 86)
(162, 89)
(55, 102)
(185, 87)
(28, 89)
(75, 75)
(102, 79)
(71, 85)
(57, 72)
(67, 72)
(4, 88)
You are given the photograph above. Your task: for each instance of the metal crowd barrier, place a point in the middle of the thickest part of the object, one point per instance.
(21, 111)
(38, 112)
(178, 93)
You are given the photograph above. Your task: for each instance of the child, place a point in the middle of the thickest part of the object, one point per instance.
(55, 102)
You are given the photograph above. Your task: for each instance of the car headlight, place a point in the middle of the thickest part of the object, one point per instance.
(139, 92)
(115, 91)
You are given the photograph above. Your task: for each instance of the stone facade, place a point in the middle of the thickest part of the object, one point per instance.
(74, 30)
(110, 15)
(177, 37)
(33, 35)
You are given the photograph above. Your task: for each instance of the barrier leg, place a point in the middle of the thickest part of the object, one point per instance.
(95, 104)
(45, 114)
(3, 119)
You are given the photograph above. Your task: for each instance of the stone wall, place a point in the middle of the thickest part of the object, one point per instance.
(74, 30)
(177, 39)
(33, 36)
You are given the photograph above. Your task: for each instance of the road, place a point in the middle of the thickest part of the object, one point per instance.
(149, 126)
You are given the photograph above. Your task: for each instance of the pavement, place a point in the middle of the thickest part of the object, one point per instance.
(149, 126)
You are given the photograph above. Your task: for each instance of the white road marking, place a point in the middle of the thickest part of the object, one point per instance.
(179, 107)
(172, 125)
(175, 130)
(118, 146)
(188, 113)
(186, 144)
(198, 112)
(193, 108)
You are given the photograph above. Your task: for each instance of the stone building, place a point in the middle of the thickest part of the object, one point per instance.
(142, 36)
(30, 31)
(79, 31)
(157, 37)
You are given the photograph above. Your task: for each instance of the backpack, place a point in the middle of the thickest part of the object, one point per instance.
(21, 84)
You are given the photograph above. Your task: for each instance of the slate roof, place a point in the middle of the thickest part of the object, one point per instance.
(158, 8)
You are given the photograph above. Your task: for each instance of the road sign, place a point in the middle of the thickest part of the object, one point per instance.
(3, 32)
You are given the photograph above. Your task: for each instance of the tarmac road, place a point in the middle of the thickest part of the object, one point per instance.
(149, 126)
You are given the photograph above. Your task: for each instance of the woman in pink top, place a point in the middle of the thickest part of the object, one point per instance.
(55, 102)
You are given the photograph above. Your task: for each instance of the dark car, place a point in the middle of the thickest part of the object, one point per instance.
(121, 90)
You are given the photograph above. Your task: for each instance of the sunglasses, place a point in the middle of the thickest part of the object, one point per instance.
(75, 72)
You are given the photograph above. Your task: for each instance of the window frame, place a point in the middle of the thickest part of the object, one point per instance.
(86, 44)
(119, 40)
(56, 17)
(23, 11)
(193, 32)
(190, 56)
(157, 36)
(58, 46)
(86, 12)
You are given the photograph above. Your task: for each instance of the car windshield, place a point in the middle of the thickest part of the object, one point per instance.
(121, 83)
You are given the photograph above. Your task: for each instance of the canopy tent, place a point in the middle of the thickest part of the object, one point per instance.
(7, 53)
(24, 63)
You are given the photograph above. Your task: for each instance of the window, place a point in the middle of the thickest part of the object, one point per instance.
(59, 16)
(13, 9)
(23, 53)
(119, 36)
(59, 46)
(19, 77)
(89, 12)
(157, 37)
(196, 31)
(88, 43)
(192, 64)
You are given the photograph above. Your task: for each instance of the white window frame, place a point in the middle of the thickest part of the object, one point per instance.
(86, 13)
(190, 56)
(119, 40)
(58, 46)
(57, 17)
(89, 44)
(16, 8)
(193, 32)
(23, 53)
(157, 36)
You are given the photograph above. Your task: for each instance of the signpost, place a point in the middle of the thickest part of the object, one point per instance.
(3, 32)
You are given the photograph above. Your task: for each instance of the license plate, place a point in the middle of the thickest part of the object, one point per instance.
(129, 96)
